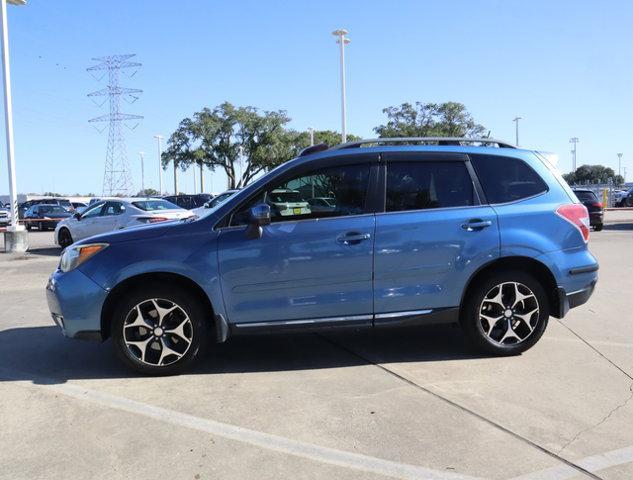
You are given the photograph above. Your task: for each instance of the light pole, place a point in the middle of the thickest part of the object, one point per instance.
(619, 164)
(311, 130)
(140, 154)
(516, 121)
(574, 141)
(159, 138)
(14, 242)
(342, 41)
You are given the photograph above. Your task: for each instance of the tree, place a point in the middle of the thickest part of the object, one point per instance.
(449, 119)
(593, 174)
(301, 140)
(148, 192)
(232, 138)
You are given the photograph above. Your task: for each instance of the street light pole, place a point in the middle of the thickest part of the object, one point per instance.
(142, 172)
(516, 121)
(311, 130)
(342, 41)
(14, 226)
(619, 164)
(574, 141)
(160, 163)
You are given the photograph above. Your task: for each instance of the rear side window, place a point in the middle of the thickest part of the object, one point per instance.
(506, 179)
(424, 185)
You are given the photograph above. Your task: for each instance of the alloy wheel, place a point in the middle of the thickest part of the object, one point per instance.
(157, 332)
(509, 313)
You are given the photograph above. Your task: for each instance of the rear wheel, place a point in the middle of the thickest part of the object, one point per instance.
(505, 313)
(160, 330)
(598, 227)
(64, 238)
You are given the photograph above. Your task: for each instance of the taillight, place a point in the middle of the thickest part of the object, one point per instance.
(597, 204)
(578, 216)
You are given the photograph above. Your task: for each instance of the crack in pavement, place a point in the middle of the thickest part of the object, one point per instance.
(465, 409)
(604, 419)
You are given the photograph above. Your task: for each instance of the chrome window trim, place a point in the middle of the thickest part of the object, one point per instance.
(400, 212)
(307, 321)
(320, 219)
(409, 313)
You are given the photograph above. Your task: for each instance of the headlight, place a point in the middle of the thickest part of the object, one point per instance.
(74, 256)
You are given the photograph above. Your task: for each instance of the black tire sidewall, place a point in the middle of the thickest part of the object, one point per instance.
(192, 307)
(65, 238)
(470, 312)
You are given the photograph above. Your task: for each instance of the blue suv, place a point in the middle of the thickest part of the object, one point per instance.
(414, 231)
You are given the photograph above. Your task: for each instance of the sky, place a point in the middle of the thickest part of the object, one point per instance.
(565, 67)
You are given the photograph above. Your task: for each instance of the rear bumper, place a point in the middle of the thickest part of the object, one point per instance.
(567, 301)
(596, 218)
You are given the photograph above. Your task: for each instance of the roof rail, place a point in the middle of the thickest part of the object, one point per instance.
(431, 140)
(313, 149)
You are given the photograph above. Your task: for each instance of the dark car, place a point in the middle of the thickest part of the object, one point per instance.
(62, 202)
(594, 206)
(45, 216)
(627, 201)
(189, 202)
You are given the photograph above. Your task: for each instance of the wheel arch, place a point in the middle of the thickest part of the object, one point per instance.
(538, 269)
(164, 277)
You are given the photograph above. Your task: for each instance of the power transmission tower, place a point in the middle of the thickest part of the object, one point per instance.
(116, 178)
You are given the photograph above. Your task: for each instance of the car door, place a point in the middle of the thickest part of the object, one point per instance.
(84, 226)
(433, 235)
(108, 219)
(308, 268)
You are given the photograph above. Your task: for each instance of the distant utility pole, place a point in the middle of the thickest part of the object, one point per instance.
(516, 121)
(159, 138)
(342, 41)
(142, 172)
(311, 130)
(574, 141)
(116, 178)
(619, 164)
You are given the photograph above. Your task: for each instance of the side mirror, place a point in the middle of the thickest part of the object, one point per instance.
(77, 216)
(259, 217)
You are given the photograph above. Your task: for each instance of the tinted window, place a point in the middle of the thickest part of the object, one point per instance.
(345, 186)
(423, 185)
(113, 208)
(506, 179)
(585, 196)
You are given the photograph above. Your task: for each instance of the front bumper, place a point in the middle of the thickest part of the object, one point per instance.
(75, 303)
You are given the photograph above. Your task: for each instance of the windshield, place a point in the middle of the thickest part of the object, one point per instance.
(152, 205)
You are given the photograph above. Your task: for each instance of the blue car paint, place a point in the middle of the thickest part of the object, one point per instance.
(411, 268)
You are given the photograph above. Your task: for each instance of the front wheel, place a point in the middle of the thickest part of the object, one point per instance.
(159, 330)
(505, 313)
(64, 238)
(598, 227)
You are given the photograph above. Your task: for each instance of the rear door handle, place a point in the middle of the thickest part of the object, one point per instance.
(353, 238)
(476, 225)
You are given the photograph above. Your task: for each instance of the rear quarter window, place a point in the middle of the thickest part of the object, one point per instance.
(506, 179)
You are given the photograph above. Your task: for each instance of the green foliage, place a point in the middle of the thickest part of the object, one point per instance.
(148, 192)
(449, 119)
(329, 137)
(215, 138)
(593, 174)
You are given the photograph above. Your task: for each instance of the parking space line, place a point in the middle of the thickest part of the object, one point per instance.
(593, 463)
(262, 440)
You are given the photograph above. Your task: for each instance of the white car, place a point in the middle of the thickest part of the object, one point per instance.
(288, 202)
(114, 214)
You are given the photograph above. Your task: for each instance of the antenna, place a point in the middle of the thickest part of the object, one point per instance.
(117, 179)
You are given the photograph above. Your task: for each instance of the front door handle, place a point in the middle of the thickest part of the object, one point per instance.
(476, 224)
(353, 238)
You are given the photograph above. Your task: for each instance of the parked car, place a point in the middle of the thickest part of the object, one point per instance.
(44, 216)
(115, 214)
(189, 202)
(322, 204)
(596, 211)
(218, 199)
(79, 206)
(470, 231)
(4, 216)
(619, 197)
(287, 202)
(62, 202)
(627, 201)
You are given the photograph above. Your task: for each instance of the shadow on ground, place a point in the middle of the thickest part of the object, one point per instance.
(618, 226)
(42, 355)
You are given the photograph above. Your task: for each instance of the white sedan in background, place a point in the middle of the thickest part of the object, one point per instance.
(114, 214)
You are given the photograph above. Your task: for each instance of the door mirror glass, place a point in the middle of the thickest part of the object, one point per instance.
(260, 214)
(77, 216)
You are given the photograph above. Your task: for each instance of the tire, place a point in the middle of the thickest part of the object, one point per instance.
(40, 226)
(140, 349)
(64, 238)
(598, 227)
(28, 226)
(528, 316)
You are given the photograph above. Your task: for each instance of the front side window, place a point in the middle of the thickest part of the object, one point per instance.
(427, 184)
(93, 211)
(506, 179)
(344, 186)
(113, 208)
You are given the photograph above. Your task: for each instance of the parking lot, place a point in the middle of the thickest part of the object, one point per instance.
(409, 404)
